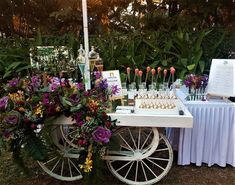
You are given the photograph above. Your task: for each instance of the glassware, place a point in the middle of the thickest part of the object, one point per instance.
(92, 64)
(99, 63)
(152, 86)
(81, 51)
(93, 55)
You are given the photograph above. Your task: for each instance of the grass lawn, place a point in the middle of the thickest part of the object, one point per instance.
(178, 175)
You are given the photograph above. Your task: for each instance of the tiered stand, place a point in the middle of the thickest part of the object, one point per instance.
(143, 156)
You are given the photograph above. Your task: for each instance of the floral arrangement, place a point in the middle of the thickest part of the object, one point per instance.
(193, 81)
(196, 85)
(27, 103)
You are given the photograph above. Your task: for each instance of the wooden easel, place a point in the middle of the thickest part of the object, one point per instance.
(121, 98)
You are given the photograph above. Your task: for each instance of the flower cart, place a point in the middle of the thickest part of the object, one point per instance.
(80, 127)
(143, 156)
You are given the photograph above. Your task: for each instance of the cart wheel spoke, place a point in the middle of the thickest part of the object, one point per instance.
(75, 166)
(155, 164)
(70, 136)
(146, 139)
(149, 169)
(162, 149)
(138, 170)
(139, 136)
(132, 138)
(50, 160)
(63, 160)
(145, 176)
(158, 158)
(124, 166)
(56, 164)
(123, 139)
(127, 148)
(62, 168)
(128, 171)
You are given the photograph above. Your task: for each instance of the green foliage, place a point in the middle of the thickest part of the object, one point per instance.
(188, 51)
(96, 176)
(35, 147)
(14, 58)
(18, 160)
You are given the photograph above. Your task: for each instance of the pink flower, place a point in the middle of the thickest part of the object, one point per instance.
(128, 70)
(153, 71)
(136, 71)
(165, 72)
(159, 70)
(172, 70)
(148, 69)
(140, 73)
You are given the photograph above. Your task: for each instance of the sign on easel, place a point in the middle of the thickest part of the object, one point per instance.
(113, 78)
(222, 78)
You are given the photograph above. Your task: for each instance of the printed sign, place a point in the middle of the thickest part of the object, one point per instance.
(113, 78)
(222, 78)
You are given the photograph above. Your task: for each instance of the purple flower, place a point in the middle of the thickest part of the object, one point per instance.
(6, 134)
(80, 86)
(80, 123)
(3, 102)
(14, 82)
(45, 99)
(78, 119)
(187, 83)
(74, 99)
(205, 79)
(53, 87)
(103, 84)
(56, 80)
(12, 119)
(36, 82)
(115, 89)
(97, 75)
(86, 93)
(101, 135)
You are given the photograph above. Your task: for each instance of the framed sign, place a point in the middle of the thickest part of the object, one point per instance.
(113, 78)
(48, 56)
(222, 78)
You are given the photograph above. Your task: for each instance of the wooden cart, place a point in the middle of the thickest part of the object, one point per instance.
(143, 156)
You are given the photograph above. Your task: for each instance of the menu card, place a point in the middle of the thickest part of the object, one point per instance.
(113, 78)
(222, 78)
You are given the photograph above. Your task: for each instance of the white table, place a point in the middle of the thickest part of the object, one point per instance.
(212, 138)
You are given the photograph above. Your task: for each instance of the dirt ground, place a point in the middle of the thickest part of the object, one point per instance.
(178, 175)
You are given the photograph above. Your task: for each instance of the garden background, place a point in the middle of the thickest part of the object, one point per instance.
(186, 34)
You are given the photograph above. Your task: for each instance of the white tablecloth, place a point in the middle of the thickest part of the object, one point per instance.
(212, 138)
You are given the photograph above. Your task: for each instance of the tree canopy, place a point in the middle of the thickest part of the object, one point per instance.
(25, 17)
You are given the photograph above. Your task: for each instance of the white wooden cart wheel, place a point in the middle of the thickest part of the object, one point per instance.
(63, 160)
(70, 134)
(68, 130)
(135, 167)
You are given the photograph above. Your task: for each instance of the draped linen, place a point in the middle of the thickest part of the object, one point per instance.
(212, 138)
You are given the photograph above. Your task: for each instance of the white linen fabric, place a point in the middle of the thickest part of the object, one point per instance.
(212, 138)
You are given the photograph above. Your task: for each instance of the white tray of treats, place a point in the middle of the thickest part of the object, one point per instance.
(157, 104)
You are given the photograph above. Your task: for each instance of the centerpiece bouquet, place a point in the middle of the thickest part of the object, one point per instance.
(28, 104)
(196, 85)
